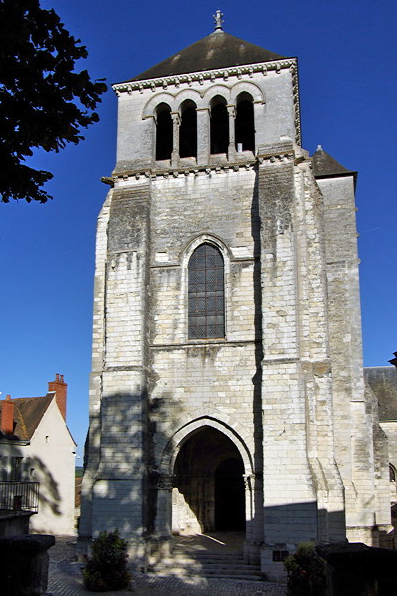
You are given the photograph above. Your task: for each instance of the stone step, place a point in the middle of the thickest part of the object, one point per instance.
(218, 566)
(210, 566)
(255, 578)
(206, 557)
(209, 575)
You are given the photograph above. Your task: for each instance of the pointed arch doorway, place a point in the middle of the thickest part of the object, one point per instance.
(208, 493)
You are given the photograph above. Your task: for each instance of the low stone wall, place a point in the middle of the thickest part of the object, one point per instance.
(24, 564)
(355, 569)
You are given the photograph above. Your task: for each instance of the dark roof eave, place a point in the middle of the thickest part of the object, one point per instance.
(13, 439)
(338, 175)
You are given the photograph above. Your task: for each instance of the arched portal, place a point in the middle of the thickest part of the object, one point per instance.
(208, 493)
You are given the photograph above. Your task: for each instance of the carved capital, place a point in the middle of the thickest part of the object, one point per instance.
(165, 482)
(176, 118)
(248, 481)
(231, 110)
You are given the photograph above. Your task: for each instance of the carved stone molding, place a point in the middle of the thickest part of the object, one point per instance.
(184, 171)
(210, 75)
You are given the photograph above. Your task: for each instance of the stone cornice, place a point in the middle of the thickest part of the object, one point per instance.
(278, 155)
(206, 75)
(170, 172)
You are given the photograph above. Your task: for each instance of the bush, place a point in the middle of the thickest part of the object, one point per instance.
(306, 572)
(107, 569)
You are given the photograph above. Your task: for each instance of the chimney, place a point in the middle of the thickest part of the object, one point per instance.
(61, 389)
(7, 416)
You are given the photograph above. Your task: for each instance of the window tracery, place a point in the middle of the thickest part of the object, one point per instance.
(206, 311)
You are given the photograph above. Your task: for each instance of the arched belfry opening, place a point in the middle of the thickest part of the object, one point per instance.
(188, 130)
(163, 132)
(244, 123)
(219, 125)
(208, 493)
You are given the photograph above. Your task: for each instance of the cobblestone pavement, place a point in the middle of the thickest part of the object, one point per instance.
(65, 580)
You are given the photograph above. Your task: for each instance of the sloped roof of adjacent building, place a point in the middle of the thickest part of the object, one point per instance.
(324, 165)
(383, 382)
(28, 413)
(217, 50)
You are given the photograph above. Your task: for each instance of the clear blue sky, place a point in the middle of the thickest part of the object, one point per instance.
(347, 70)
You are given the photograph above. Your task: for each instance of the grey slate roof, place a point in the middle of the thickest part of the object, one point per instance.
(326, 166)
(383, 382)
(217, 50)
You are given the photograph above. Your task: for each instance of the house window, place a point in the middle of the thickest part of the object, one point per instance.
(163, 132)
(206, 310)
(392, 473)
(188, 130)
(3, 467)
(244, 123)
(219, 126)
(16, 468)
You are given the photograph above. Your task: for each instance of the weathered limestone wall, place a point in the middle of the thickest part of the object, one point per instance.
(93, 441)
(196, 380)
(353, 417)
(303, 493)
(118, 413)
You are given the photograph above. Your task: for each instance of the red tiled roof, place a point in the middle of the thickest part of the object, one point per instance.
(28, 412)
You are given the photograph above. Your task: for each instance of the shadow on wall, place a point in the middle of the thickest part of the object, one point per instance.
(16, 492)
(49, 493)
(121, 501)
(120, 452)
(129, 455)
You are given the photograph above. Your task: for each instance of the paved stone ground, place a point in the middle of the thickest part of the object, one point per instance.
(65, 580)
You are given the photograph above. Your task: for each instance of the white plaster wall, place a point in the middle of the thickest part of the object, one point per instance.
(52, 455)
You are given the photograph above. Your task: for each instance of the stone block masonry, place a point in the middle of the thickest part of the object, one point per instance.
(227, 387)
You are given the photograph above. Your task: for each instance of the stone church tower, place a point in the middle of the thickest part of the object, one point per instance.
(227, 387)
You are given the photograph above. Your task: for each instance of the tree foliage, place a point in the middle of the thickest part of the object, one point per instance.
(44, 102)
(306, 572)
(107, 569)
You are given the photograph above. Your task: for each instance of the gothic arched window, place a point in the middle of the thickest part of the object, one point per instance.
(219, 125)
(163, 132)
(188, 130)
(206, 310)
(244, 123)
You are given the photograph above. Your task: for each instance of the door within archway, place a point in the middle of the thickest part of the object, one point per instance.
(229, 495)
(208, 491)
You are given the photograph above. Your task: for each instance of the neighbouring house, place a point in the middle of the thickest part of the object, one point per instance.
(37, 461)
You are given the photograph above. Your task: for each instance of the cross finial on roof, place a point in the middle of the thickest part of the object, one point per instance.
(218, 20)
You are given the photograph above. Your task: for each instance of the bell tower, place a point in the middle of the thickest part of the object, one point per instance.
(212, 372)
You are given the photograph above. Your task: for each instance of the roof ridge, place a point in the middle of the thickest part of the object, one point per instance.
(216, 50)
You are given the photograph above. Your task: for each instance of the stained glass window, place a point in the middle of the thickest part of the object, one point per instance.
(206, 293)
